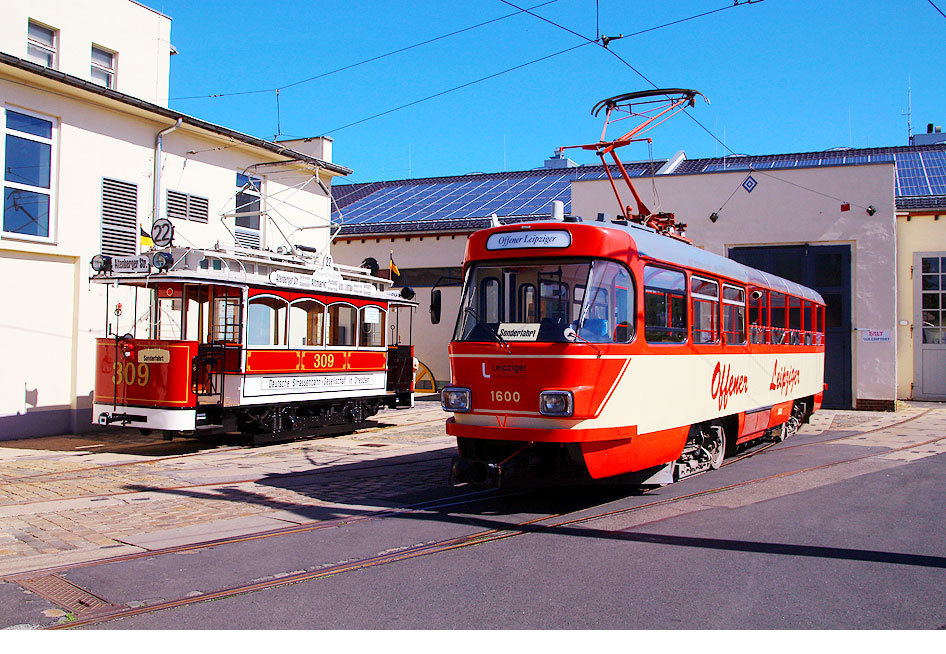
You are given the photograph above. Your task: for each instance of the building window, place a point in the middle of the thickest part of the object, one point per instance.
(28, 175)
(41, 44)
(184, 206)
(103, 67)
(119, 218)
(247, 210)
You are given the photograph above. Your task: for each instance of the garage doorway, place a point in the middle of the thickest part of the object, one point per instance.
(826, 269)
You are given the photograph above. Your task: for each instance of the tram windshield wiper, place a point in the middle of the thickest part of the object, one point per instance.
(480, 321)
(571, 335)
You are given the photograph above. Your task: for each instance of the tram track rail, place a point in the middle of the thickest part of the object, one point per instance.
(533, 525)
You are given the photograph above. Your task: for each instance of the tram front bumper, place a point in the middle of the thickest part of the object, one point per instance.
(144, 417)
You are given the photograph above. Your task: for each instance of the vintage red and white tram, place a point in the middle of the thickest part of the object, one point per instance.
(605, 348)
(261, 343)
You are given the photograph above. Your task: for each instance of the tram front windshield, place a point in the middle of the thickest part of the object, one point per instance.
(551, 302)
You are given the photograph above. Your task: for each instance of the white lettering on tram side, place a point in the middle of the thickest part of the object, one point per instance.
(725, 384)
(784, 379)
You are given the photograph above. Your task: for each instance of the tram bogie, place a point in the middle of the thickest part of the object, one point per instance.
(273, 347)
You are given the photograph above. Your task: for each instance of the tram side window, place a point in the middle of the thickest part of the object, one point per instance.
(758, 315)
(734, 315)
(527, 304)
(778, 317)
(226, 320)
(705, 297)
(490, 300)
(170, 311)
(342, 324)
(266, 323)
(553, 301)
(608, 312)
(306, 323)
(372, 327)
(197, 313)
(665, 319)
(809, 325)
(795, 323)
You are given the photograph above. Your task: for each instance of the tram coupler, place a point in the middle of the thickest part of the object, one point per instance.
(483, 474)
(106, 419)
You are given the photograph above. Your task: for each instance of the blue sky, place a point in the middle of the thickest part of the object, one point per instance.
(781, 75)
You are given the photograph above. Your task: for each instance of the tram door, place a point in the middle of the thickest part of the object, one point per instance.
(826, 269)
(929, 326)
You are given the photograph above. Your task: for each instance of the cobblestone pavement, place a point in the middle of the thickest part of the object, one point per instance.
(81, 498)
(74, 503)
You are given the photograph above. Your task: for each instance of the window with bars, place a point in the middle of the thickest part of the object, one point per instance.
(42, 44)
(103, 67)
(119, 218)
(184, 206)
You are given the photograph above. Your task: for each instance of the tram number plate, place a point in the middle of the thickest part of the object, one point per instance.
(162, 232)
(505, 396)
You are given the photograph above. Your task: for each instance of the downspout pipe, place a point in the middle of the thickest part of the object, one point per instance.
(156, 206)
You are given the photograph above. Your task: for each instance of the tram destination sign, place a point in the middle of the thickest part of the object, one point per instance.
(540, 238)
(131, 264)
(324, 280)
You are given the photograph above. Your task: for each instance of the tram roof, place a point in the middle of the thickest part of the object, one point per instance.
(656, 246)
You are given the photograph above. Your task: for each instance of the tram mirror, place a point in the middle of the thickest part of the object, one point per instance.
(435, 307)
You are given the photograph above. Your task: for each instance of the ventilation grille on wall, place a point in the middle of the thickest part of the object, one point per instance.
(184, 206)
(119, 218)
(247, 238)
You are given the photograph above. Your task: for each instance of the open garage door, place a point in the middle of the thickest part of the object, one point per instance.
(826, 269)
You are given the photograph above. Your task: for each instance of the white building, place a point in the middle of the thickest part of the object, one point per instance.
(92, 155)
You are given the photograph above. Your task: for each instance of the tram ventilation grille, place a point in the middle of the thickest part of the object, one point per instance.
(119, 218)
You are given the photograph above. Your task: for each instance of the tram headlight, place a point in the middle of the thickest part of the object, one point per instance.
(162, 260)
(101, 263)
(455, 399)
(556, 403)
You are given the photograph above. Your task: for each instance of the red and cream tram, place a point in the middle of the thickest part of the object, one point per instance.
(613, 347)
(260, 343)
(610, 348)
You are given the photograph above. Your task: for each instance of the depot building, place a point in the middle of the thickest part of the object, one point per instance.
(860, 226)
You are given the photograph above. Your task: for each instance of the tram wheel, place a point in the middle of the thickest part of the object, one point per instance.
(715, 445)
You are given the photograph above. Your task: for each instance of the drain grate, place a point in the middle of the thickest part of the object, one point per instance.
(64, 594)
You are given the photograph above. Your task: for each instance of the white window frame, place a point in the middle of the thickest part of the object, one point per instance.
(112, 71)
(53, 49)
(248, 189)
(53, 176)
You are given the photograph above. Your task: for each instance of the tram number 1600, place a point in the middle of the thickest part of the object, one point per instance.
(505, 396)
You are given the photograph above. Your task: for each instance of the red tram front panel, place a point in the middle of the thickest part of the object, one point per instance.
(147, 380)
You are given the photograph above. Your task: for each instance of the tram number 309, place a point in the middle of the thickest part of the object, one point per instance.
(130, 374)
(505, 396)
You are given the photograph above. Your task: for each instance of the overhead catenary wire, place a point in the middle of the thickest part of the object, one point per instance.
(364, 61)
